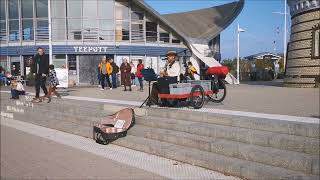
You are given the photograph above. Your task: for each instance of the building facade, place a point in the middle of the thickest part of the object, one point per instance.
(303, 54)
(78, 33)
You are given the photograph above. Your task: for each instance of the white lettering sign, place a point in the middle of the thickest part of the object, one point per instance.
(89, 49)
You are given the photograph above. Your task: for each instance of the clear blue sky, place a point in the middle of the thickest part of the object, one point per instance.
(256, 18)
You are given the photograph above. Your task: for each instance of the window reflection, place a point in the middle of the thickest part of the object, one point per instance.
(27, 29)
(41, 8)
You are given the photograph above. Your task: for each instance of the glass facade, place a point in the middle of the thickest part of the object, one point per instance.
(80, 20)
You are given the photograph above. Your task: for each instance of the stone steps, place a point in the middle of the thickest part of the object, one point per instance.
(256, 137)
(227, 165)
(266, 155)
(250, 148)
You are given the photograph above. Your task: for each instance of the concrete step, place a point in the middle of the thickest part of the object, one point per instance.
(308, 164)
(265, 124)
(227, 165)
(248, 136)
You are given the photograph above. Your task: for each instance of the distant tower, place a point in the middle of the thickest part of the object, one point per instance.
(303, 54)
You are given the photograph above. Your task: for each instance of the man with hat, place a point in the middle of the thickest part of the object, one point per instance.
(171, 69)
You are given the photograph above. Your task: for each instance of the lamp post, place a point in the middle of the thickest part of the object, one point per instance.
(285, 32)
(239, 30)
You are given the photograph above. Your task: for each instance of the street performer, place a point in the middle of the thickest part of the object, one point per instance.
(171, 69)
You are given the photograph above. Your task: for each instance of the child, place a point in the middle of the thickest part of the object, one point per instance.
(53, 82)
(16, 89)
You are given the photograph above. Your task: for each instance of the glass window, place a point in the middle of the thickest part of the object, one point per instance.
(42, 30)
(14, 30)
(137, 31)
(2, 10)
(58, 9)
(27, 29)
(105, 9)
(42, 8)
(27, 8)
(74, 29)
(59, 61)
(13, 9)
(90, 29)
(15, 65)
(175, 40)
(74, 8)
(3, 31)
(151, 32)
(90, 10)
(58, 29)
(106, 30)
(164, 36)
(122, 31)
(122, 10)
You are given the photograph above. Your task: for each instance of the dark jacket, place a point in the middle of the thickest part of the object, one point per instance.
(115, 68)
(41, 62)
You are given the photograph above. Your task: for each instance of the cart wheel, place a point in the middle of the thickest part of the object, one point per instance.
(220, 95)
(197, 97)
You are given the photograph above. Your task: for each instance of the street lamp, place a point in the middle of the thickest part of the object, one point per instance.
(239, 30)
(285, 33)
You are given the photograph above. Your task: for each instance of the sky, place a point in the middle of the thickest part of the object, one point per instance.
(256, 18)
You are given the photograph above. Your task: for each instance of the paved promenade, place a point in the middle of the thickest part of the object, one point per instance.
(256, 97)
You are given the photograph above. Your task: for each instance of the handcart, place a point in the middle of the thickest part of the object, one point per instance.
(196, 92)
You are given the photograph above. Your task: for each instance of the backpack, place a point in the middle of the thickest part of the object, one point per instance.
(114, 126)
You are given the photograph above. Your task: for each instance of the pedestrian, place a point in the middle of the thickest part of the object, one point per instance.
(125, 69)
(16, 89)
(40, 68)
(132, 74)
(115, 71)
(105, 71)
(99, 76)
(139, 75)
(53, 82)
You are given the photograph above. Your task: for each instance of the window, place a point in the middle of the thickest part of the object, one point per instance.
(2, 10)
(27, 8)
(14, 30)
(27, 29)
(90, 29)
(74, 29)
(90, 9)
(315, 43)
(58, 29)
(42, 32)
(105, 9)
(122, 10)
(164, 36)
(58, 9)
(59, 61)
(175, 40)
(74, 8)
(151, 31)
(106, 30)
(13, 9)
(122, 31)
(42, 8)
(3, 31)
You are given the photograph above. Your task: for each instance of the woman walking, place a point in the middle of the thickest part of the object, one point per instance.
(125, 69)
(53, 83)
(139, 75)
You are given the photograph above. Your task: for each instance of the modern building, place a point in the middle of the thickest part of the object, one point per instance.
(303, 54)
(78, 33)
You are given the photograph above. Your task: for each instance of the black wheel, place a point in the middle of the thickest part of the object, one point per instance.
(197, 97)
(221, 94)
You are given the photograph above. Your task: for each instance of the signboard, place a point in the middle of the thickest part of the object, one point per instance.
(62, 75)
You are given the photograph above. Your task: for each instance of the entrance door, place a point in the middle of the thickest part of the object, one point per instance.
(88, 69)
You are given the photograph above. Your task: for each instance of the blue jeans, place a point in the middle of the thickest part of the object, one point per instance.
(114, 80)
(15, 93)
(141, 83)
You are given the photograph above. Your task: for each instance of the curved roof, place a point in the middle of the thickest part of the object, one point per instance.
(205, 24)
(208, 22)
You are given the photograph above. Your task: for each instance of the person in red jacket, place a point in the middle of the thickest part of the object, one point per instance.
(139, 75)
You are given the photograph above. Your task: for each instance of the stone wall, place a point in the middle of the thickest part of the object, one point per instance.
(303, 70)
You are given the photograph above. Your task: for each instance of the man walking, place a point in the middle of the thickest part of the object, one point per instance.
(40, 68)
(115, 71)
